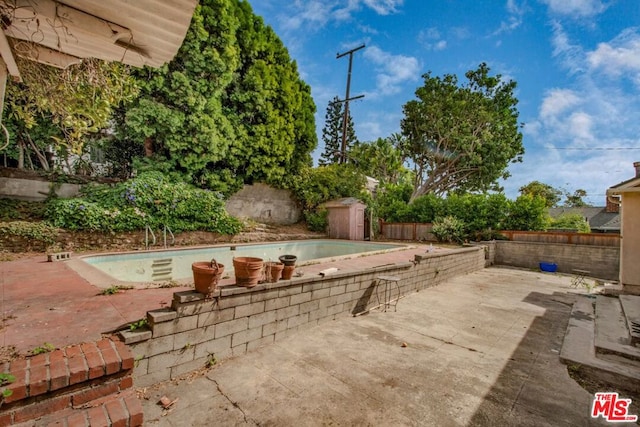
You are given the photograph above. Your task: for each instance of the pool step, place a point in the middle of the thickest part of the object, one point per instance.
(162, 269)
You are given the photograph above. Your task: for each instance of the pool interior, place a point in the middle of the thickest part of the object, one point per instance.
(159, 267)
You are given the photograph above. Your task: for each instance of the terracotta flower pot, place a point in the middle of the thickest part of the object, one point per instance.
(206, 276)
(273, 271)
(248, 271)
(287, 272)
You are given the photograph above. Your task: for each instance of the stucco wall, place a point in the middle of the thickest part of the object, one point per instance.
(34, 190)
(263, 203)
(602, 262)
(630, 261)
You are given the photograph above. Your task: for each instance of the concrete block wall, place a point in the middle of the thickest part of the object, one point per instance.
(602, 262)
(197, 331)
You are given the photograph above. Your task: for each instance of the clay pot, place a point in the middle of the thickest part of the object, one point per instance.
(273, 271)
(287, 272)
(206, 276)
(288, 260)
(248, 271)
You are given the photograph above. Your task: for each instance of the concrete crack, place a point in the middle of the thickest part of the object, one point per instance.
(235, 404)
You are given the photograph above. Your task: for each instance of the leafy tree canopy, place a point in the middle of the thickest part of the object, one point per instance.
(78, 100)
(379, 159)
(231, 107)
(548, 193)
(461, 137)
(576, 200)
(333, 131)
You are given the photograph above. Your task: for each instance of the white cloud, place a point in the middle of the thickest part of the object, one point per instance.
(514, 20)
(571, 55)
(430, 38)
(619, 57)
(575, 8)
(393, 70)
(583, 131)
(557, 101)
(384, 7)
(317, 13)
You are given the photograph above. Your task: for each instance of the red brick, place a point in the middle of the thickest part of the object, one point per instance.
(5, 419)
(110, 356)
(98, 417)
(39, 359)
(58, 423)
(40, 409)
(79, 419)
(125, 355)
(73, 351)
(78, 370)
(58, 372)
(94, 360)
(126, 382)
(117, 413)
(136, 414)
(18, 387)
(38, 379)
(87, 395)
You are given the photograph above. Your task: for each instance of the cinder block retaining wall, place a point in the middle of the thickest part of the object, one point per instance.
(602, 262)
(195, 331)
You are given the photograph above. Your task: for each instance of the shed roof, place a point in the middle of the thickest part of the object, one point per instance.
(629, 186)
(342, 203)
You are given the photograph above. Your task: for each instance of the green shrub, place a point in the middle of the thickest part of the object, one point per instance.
(571, 222)
(30, 230)
(317, 220)
(448, 229)
(149, 199)
(21, 210)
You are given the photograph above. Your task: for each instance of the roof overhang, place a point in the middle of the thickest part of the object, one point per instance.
(630, 186)
(60, 33)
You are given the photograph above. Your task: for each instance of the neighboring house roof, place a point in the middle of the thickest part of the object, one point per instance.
(597, 217)
(138, 33)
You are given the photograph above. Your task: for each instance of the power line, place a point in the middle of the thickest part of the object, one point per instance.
(598, 148)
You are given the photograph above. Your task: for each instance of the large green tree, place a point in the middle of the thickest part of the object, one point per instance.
(379, 159)
(461, 137)
(231, 107)
(550, 194)
(332, 133)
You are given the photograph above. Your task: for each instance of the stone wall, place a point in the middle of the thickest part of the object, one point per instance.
(34, 190)
(263, 203)
(195, 331)
(602, 262)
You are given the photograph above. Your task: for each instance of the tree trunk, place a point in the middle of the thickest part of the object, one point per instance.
(148, 147)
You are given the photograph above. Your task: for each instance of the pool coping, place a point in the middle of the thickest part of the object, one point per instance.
(102, 280)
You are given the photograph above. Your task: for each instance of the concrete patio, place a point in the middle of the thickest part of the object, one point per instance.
(481, 349)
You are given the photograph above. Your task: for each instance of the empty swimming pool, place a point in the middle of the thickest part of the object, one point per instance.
(175, 264)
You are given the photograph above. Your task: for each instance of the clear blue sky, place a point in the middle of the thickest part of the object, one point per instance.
(576, 62)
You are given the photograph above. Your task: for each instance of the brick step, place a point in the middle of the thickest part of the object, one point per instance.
(121, 409)
(65, 367)
(66, 381)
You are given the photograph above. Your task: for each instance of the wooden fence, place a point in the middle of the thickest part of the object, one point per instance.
(589, 239)
(407, 231)
(422, 232)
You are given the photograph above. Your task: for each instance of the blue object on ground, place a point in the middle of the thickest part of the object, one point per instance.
(551, 267)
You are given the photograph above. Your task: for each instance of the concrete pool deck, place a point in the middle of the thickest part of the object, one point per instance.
(481, 350)
(50, 302)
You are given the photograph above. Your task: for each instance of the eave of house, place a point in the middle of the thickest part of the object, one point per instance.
(138, 33)
(629, 186)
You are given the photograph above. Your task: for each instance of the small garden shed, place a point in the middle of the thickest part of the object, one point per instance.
(346, 219)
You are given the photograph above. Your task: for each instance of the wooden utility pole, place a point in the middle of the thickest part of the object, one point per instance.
(343, 148)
